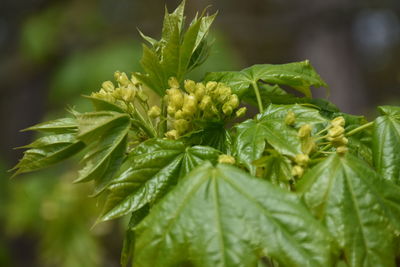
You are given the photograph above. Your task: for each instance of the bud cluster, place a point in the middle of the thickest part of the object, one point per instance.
(126, 90)
(336, 135)
(199, 102)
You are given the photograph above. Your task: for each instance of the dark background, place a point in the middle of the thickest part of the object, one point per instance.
(51, 52)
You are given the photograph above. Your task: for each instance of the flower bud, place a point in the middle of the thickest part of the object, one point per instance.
(154, 112)
(222, 93)
(173, 82)
(308, 145)
(336, 131)
(171, 110)
(210, 86)
(205, 103)
(233, 101)
(108, 86)
(338, 121)
(190, 86)
(200, 91)
(297, 171)
(290, 118)
(175, 98)
(341, 150)
(227, 109)
(128, 93)
(241, 112)
(172, 134)
(304, 131)
(226, 159)
(134, 80)
(181, 125)
(121, 78)
(179, 114)
(301, 159)
(189, 105)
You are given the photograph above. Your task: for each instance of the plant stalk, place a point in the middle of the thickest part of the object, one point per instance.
(258, 96)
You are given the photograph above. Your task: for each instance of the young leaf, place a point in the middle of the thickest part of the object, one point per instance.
(357, 207)
(48, 150)
(221, 216)
(386, 143)
(178, 51)
(150, 170)
(252, 135)
(107, 134)
(62, 125)
(298, 75)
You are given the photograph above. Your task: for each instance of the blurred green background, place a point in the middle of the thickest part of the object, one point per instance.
(51, 52)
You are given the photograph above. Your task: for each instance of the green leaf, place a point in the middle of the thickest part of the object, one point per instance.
(221, 216)
(130, 237)
(276, 168)
(48, 150)
(269, 127)
(63, 125)
(149, 172)
(102, 105)
(357, 206)
(299, 75)
(106, 132)
(178, 51)
(386, 144)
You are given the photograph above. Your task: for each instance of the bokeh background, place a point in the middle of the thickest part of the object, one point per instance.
(51, 52)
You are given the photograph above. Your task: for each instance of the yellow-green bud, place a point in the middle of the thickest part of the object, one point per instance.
(117, 93)
(175, 97)
(190, 86)
(308, 145)
(189, 105)
(121, 78)
(222, 93)
(128, 93)
(181, 125)
(154, 112)
(341, 150)
(108, 86)
(304, 131)
(241, 112)
(338, 121)
(226, 159)
(290, 118)
(205, 103)
(173, 82)
(210, 86)
(171, 110)
(179, 115)
(172, 134)
(301, 159)
(134, 80)
(234, 101)
(200, 91)
(297, 171)
(227, 109)
(336, 131)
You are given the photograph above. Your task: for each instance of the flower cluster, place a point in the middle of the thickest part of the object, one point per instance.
(126, 91)
(199, 102)
(336, 135)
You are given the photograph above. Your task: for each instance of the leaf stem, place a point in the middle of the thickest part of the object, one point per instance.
(360, 128)
(258, 96)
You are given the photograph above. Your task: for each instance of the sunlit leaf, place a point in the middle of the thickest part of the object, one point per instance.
(357, 206)
(148, 173)
(221, 216)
